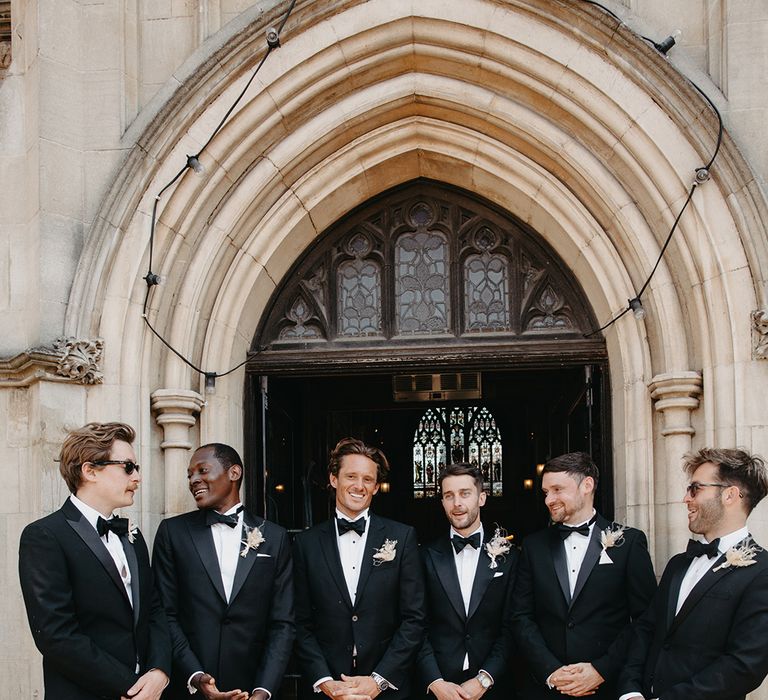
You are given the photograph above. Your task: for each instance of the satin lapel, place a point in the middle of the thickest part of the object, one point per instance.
(591, 557)
(557, 550)
(244, 564)
(202, 539)
(708, 580)
(673, 592)
(133, 567)
(376, 537)
(441, 555)
(91, 538)
(483, 576)
(331, 553)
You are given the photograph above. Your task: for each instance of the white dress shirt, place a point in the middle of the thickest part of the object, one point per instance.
(351, 551)
(227, 541)
(466, 567)
(696, 570)
(575, 550)
(113, 544)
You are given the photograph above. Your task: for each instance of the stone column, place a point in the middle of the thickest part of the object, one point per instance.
(175, 411)
(676, 395)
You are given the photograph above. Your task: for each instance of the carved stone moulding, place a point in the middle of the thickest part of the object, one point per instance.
(760, 334)
(73, 360)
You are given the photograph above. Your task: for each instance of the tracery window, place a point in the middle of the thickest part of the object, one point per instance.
(456, 434)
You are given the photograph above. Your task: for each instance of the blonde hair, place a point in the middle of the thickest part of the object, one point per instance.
(91, 443)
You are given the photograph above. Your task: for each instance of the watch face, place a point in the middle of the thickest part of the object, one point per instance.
(484, 681)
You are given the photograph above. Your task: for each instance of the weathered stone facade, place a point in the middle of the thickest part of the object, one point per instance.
(552, 110)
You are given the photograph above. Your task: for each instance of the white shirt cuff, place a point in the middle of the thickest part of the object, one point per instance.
(191, 688)
(269, 695)
(316, 684)
(482, 670)
(626, 696)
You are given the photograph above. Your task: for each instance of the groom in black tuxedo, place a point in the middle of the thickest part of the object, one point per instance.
(359, 588)
(580, 585)
(705, 636)
(225, 579)
(469, 598)
(92, 606)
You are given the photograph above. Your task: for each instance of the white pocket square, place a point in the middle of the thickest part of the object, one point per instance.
(263, 555)
(604, 558)
(498, 573)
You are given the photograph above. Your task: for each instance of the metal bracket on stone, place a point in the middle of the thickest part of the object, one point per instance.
(79, 359)
(760, 334)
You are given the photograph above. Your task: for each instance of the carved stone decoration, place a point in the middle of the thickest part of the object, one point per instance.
(549, 312)
(760, 334)
(80, 359)
(676, 395)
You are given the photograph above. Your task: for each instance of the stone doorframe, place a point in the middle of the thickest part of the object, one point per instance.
(551, 111)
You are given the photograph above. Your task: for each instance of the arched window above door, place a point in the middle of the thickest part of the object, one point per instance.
(425, 264)
(448, 435)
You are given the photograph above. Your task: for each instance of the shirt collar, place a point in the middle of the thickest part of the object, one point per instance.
(90, 514)
(584, 522)
(479, 529)
(365, 514)
(233, 509)
(731, 539)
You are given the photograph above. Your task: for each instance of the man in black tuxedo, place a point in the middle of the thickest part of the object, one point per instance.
(705, 636)
(359, 588)
(469, 598)
(580, 585)
(225, 579)
(92, 606)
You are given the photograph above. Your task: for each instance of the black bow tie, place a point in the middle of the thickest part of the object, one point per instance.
(117, 525)
(345, 526)
(566, 530)
(460, 542)
(213, 517)
(697, 549)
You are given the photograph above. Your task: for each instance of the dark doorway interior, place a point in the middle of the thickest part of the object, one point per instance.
(539, 414)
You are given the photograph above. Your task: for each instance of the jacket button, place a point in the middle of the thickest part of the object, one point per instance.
(467, 636)
(354, 618)
(571, 625)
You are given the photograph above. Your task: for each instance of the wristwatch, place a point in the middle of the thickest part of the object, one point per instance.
(381, 682)
(484, 680)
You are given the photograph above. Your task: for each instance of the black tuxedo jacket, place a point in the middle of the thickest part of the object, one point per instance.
(386, 623)
(715, 648)
(484, 633)
(553, 628)
(81, 619)
(245, 643)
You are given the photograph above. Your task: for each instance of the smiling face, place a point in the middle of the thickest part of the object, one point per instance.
(107, 488)
(706, 510)
(355, 484)
(462, 501)
(568, 499)
(212, 484)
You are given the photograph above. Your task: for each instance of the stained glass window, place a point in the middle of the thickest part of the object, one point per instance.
(421, 283)
(359, 295)
(456, 434)
(486, 287)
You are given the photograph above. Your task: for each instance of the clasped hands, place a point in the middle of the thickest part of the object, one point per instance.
(351, 688)
(576, 680)
(468, 690)
(206, 685)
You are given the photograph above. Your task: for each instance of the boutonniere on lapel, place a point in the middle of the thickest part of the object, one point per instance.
(252, 539)
(612, 536)
(498, 546)
(133, 530)
(742, 554)
(386, 552)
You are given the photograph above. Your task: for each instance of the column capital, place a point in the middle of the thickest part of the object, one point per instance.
(175, 412)
(676, 394)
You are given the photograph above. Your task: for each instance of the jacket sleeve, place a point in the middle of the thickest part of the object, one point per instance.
(308, 649)
(640, 585)
(159, 647)
(397, 661)
(53, 620)
(526, 630)
(185, 660)
(427, 669)
(281, 630)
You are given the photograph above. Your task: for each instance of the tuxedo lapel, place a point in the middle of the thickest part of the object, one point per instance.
(707, 581)
(376, 537)
(202, 539)
(673, 592)
(244, 564)
(557, 550)
(133, 567)
(91, 538)
(483, 576)
(591, 557)
(330, 548)
(441, 555)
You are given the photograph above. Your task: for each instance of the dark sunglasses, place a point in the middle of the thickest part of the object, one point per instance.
(695, 486)
(129, 466)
